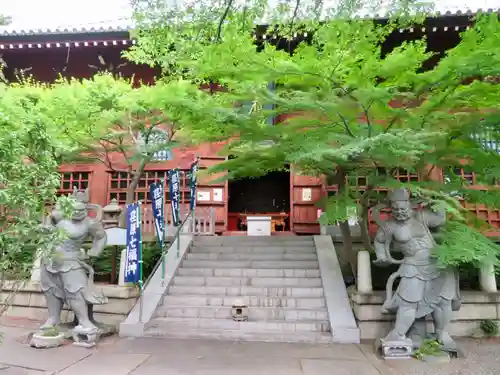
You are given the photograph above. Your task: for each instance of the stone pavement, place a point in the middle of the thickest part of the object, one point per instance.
(121, 356)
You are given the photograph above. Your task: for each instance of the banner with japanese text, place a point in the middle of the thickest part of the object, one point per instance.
(157, 196)
(175, 195)
(194, 182)
(134, 240)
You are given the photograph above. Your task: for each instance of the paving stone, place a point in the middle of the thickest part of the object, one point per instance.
(107, 363)
(337, 367)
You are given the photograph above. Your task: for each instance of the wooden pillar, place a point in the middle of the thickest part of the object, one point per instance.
(99, 184)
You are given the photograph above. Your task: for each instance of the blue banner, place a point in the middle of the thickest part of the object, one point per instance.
(157, 196)
(175, 195)
(194, 182)
(133, 251)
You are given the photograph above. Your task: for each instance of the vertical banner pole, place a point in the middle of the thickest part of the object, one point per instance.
(193, 184)
(134, 256)
(179, 174)
(141, 281)
(163, 235)
(182, 184)
(156, 195)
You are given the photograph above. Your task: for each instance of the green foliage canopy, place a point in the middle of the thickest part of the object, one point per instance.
(349, 107)
(30, 151)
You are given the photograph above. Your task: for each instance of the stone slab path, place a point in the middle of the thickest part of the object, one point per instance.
(151, 356)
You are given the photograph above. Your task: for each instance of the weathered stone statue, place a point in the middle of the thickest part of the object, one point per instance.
(424, 289)
(64, 275)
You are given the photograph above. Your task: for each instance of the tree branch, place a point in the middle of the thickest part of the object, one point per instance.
(292, 21)
(222, 19)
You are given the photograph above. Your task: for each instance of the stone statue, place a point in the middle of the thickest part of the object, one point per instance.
(424, 289)
(64, 275)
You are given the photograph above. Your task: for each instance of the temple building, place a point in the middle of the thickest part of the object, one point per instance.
(290, 199)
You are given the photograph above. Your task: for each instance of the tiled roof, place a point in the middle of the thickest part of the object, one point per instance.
(100, 27)
(441, 8)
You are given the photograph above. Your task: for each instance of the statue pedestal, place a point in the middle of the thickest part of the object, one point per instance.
(398, 349)
(85, 337)
(40, 340)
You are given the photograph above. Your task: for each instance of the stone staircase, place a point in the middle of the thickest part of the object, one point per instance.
(277, 277)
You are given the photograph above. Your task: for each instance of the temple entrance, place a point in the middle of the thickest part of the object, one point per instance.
(268, 195)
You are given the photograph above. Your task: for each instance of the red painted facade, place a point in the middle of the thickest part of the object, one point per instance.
(68, 55)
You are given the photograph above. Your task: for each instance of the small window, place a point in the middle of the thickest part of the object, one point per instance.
(70, 180)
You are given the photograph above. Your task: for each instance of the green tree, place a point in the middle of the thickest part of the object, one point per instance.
(113, 123)
(340, 90)
(30, 152)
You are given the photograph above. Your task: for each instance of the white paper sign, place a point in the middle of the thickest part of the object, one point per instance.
(218, 195)
(307, 194)
(116, 236)
(202, 196)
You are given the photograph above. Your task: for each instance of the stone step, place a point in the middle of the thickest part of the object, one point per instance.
(228, 324)
(251, 302)
(171, 331)
(253, 239)
(250, 256)
(268, 282)
(254, 314)
(245, 291)
(248, 272)
(255, 249)
(257, 245)
(302, 264)
(248, 244)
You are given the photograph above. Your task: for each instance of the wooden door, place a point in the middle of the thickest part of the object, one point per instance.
(212, 194)
(305, 192)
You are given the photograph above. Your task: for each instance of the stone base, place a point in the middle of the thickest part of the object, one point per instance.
(80, 336)
(442, 358)
(85, 337)
(454, 353)
(399, 349)
(39, 341)
(104, 329)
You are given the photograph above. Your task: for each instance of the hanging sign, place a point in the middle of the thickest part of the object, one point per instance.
(194, 182)
(157, 195)
(175, 195)
(307, 194)
(133, 251)
(217, 195)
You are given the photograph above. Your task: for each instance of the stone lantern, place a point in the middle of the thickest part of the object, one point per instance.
(239, 311)
(111, 213)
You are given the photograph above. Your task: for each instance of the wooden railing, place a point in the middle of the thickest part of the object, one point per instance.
(203, 222)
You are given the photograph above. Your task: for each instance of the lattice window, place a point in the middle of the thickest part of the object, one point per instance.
(360, 182)
(71, 179)
(119, 181)
(491, 216)
(462, 172)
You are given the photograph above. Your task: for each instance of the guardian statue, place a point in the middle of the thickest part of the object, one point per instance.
(424, 288)
(64, 275)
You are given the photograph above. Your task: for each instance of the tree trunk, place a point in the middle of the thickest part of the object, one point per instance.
(130, 197)
(345, 230)
(363, 223)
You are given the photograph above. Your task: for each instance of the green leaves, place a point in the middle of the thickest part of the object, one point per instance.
(30, 150)
(342, 103)
(460, 244)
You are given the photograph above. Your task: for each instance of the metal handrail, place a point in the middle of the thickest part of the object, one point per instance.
(165, 251)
